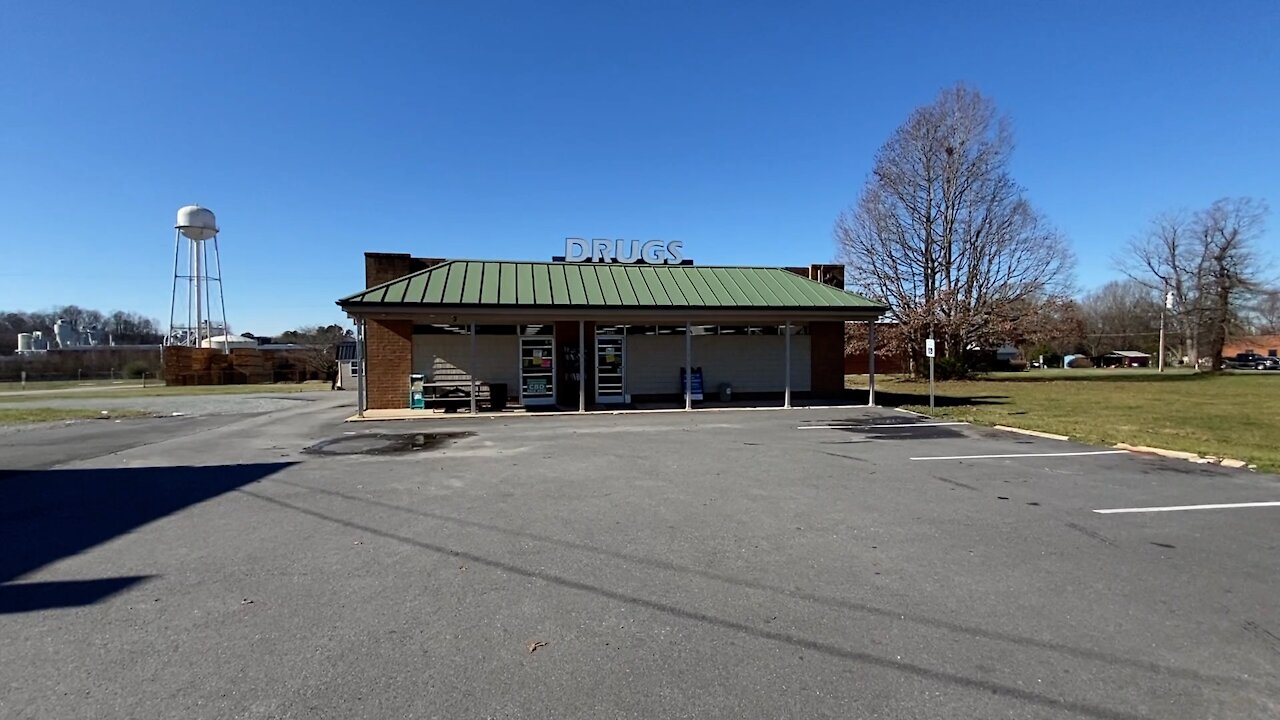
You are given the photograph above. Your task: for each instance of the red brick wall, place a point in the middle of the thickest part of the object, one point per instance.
(1261, 344)
(385, 267)
(390, 349)
(826, 358)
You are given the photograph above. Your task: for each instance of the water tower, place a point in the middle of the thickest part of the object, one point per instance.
(193, 316)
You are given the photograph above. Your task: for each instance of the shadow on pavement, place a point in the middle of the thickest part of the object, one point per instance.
(47, 515)
(888, 398)
(836, 603)
(29, 597)
(1076, 708)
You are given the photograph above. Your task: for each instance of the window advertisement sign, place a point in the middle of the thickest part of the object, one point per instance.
(537, 371)
(610, 369)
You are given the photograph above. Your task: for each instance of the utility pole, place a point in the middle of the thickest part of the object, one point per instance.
(1168, 305)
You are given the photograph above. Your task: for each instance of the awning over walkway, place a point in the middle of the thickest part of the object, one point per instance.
(584, 290)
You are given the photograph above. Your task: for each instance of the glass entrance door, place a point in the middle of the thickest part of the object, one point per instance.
(537, 370)
(611, 369)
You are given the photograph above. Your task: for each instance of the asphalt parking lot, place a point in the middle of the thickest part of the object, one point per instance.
(847, 563)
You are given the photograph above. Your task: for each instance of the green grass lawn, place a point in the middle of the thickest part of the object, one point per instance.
(1224, 415)
(65, 384)
(160, 390)
(27, 415)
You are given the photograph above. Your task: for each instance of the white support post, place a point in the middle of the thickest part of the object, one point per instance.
(688, 366)
(472, 369)
(786, 344)
(361, 393)
(871, 363)
(582, 366)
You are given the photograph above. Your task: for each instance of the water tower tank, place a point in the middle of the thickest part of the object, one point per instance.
(24, 342)
(197, 223)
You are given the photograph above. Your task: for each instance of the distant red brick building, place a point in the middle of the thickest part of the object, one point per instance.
(1262, 344)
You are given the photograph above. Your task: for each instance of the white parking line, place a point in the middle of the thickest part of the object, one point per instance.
(885, 425)
(1020, 455)
(1172, 508)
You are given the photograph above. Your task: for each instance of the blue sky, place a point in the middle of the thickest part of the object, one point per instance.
(317, 131)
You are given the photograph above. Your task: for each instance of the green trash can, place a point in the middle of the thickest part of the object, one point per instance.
(726, 392)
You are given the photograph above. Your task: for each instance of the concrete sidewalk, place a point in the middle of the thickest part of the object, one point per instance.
(640, 408)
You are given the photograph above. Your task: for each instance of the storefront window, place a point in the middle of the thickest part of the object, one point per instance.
(459, 329)
(697, 329)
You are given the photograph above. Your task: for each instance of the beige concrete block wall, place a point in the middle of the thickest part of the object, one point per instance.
(497, 357)
(751, 363)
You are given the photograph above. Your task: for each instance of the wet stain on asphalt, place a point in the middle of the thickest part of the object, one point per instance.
(384, 443)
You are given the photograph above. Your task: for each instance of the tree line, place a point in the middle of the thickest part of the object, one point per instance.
(124, 327)
(319, 345)
(944, 235)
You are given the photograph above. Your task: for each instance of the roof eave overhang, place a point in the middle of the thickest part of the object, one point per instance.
(489, 314)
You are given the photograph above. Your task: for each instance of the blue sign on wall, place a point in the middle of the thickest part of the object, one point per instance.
(697, 383)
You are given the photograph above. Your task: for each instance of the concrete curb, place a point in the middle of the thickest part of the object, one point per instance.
(1033, 433)
(409, 415)
(1183, 455)
(1162, 452)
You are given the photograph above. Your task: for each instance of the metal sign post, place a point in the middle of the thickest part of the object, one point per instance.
(930, 350)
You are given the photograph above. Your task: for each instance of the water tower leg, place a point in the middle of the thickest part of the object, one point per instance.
(173, 298)
(222, 298)
(191, 287)
(199, 277)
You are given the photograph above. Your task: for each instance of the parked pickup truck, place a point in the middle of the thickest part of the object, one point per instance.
(1248, 361)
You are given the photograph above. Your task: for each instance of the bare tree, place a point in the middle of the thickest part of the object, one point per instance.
(1227, 232)
(1051, 326)
(320, 346)
(1168, 258)
(1266, 314)
(125, 328)
(1208, 262)
(1121, 315)
(943, 233)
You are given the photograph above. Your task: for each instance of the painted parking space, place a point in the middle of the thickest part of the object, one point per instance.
(1009, 466)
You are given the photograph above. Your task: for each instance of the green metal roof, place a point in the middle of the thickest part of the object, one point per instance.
(486, 284)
